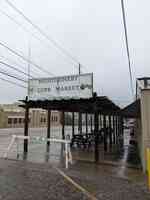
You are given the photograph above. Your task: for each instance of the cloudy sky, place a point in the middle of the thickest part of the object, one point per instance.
(91, 31)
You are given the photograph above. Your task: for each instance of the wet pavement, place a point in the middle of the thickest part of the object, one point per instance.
(116, 177)
(38, 152)
(22, 180)
(105, 182)
(27, 181)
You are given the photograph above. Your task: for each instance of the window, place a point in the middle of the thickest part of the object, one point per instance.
(9, 121)
(20, 120)
(15, 120)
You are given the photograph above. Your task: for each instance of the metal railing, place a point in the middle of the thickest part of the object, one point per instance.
(16, 138)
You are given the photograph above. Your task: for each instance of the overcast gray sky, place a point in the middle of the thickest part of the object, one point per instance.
(91, 31)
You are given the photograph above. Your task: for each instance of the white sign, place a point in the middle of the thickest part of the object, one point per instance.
(73, 86)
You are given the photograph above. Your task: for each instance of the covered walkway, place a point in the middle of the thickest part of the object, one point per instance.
(106, 124)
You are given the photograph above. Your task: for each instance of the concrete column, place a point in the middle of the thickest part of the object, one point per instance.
(145, 119)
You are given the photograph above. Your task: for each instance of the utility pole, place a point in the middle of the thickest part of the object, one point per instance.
(29, 57)
(127, 46)
(80, 114)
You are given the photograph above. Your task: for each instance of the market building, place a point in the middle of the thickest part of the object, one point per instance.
(140, 111)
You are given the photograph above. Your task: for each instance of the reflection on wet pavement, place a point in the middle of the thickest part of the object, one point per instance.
(117, 176)
(122, 156)
(30, 181)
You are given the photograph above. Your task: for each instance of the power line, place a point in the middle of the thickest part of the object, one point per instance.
(24, 58)
(127, 45)
(14, 62)
(12, 82)
(12, 76)
(25, 29)
(14, 68)
(58, 46)
(19, 24)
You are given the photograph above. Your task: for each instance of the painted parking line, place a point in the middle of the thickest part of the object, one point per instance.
(79, 187)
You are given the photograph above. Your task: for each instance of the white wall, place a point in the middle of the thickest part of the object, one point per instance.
(145, 122)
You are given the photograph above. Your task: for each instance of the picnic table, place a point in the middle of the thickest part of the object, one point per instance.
(84, 139)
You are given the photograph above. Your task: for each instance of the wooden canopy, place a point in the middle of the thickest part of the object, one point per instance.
(101, 104)
(133, 110)
(97, 105)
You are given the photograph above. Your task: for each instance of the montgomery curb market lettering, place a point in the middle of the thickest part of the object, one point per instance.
(74, 86)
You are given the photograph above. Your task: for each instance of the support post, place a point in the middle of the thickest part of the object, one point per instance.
(145, 83)
(105, 133)
(73, 124)
(80, 123)
(91, 123)
(86, 123)
(48, 125)
(26, 129)
(114, 131)
(100, 122)
(116, 128)
(63, 125)
(121, 131)
(122, 127)
(110, 131)
(96, 136)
